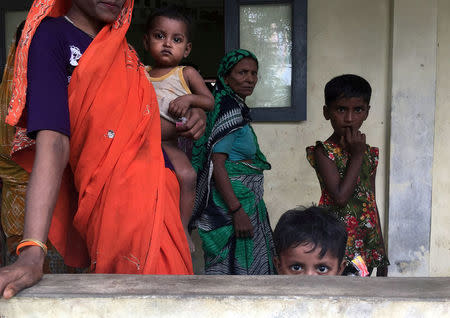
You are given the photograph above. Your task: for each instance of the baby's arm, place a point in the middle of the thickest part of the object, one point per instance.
(339, 189)
(201, 97)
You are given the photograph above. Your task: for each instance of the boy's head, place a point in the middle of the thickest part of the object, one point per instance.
(347, 86)
(347, 99)
(311, 241)
(167, 36)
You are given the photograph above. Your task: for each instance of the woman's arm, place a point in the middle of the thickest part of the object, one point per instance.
(339, 189)
(201, 97)
(52, 155)
(241, 222)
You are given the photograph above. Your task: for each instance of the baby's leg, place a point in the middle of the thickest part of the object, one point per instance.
(168, 130)
(187, 178)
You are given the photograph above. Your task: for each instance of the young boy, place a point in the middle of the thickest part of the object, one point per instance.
(178, 89)
(309, 242)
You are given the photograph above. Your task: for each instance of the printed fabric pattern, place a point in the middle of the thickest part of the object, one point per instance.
(230, 113)
(224, 253)
(115, 213)
(361, 213)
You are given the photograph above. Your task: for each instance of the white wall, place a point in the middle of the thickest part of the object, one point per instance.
(440, 236)
(346, 36)
(361, 37)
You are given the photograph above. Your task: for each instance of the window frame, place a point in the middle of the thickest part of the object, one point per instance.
(297, 110)
(16, 5)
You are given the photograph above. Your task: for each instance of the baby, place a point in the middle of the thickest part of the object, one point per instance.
(178, 89)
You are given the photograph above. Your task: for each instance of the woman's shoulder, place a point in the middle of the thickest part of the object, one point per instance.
(58, 32)
(49, 29)
(241, 131)
(49, 23)
(54, 28)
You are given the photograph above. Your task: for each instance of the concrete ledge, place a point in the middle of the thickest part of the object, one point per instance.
(230, 296)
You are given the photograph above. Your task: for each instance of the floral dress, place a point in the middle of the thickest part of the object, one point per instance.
(360, 214)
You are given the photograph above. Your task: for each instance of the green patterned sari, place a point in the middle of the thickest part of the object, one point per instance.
(224, 252)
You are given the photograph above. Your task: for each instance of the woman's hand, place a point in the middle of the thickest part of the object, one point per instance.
(243, 227)
(25, 272)
(241, 222)
(189, 240)
(195, 125)
(52, 155)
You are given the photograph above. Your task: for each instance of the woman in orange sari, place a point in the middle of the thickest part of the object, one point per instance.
(114, 207)
(14, 177)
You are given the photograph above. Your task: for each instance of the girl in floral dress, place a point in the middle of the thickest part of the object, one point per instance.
(346, 168)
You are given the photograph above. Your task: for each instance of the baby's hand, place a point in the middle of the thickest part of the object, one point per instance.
(179, 106)
(355, 141)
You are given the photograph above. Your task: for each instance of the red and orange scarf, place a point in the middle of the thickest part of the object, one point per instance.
(124, 216)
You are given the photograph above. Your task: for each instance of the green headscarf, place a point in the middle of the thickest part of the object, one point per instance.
(230, 113)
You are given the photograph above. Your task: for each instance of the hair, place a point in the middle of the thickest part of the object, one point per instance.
(172, 12)
(313, 225)
(347, 86)
(19, 32)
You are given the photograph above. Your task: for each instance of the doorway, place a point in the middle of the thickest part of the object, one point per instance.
(208, 45)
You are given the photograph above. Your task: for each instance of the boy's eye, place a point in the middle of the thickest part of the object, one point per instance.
(178, 40)
(358, 109)
(322, 269)
(296, 268)
(158, 36)
(340, 109)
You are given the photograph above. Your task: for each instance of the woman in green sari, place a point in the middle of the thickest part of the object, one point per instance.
(229, 210)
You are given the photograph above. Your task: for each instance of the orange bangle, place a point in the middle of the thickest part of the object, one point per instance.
(31, 242)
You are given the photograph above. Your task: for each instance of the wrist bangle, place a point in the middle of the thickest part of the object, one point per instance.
(31, 242)
(235, 210)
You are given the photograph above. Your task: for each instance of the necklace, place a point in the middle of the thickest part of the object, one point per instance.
(71, 22)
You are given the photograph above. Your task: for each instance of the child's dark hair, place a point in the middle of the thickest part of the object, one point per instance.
(347, 86)
(313, 225)
(19, 31)
(171, 12)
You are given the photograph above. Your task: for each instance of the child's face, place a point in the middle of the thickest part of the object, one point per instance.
(167, 41)
(346, 113)
(104, 11)
(301, 260)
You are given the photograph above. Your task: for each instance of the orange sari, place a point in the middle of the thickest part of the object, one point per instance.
(118, 209)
